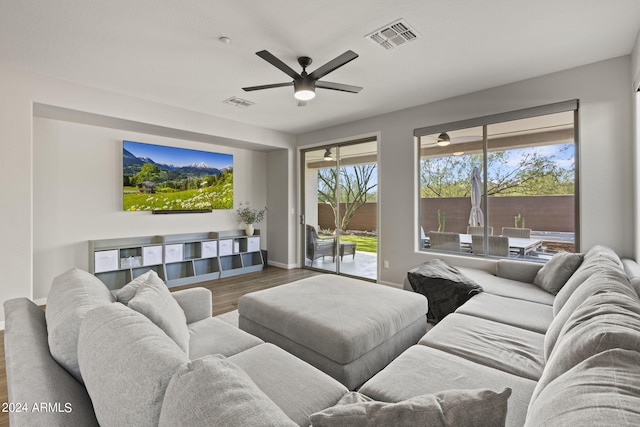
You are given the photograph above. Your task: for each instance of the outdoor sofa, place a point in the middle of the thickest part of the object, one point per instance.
(514, 351)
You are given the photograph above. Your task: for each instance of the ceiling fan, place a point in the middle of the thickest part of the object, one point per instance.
(305, 84)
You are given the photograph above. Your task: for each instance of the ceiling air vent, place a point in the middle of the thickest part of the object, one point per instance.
(238, 102)
(393, 35)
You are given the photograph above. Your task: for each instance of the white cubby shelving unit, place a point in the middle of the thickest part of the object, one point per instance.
(179, 259)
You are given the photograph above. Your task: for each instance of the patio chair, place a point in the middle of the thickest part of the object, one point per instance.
(516, 232)
(497, 245)
(444, 241)
(473, 229)
(319, 247)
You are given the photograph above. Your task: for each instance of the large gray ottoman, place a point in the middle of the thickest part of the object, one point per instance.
(348, 328)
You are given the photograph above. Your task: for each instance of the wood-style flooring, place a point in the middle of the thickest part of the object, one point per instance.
(225, 298)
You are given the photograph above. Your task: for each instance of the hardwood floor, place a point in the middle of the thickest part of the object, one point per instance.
(225, 298)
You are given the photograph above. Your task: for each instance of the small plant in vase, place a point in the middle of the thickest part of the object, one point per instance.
(250, 216)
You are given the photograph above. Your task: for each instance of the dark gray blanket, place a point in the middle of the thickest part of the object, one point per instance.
(445, 287)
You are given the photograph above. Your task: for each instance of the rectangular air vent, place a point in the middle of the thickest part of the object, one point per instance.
(393, 35)
(238, 102)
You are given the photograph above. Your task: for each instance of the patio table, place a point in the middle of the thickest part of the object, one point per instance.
(520, 244)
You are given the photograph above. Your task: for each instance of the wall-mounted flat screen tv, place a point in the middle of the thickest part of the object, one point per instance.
(165, 179)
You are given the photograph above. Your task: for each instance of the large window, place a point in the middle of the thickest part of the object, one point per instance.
(501, 186)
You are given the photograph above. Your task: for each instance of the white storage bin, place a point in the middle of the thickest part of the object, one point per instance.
(105, 261)
(225, 247)
(253, 244)
(210, 249)
(173, 253)
(151, 255)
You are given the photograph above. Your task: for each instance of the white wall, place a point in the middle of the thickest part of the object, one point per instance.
(20, 90)
(77, 195)
(606, 165)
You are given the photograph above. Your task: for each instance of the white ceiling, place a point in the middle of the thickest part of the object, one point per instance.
(168, 51)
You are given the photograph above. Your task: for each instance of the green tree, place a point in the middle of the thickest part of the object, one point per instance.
(148, 172)
(534, 174)
(356, 188)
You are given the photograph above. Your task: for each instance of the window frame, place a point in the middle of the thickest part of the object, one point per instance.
(484, 122)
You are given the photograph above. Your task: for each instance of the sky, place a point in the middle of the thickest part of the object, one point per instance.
(178, 156)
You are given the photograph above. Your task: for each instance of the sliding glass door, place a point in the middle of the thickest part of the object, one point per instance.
(339, 221)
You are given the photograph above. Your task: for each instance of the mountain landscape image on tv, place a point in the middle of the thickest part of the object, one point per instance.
(162, 178)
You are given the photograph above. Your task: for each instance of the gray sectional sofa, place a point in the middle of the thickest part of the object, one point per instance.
(515, 354)
(571, 359)
(114, 366)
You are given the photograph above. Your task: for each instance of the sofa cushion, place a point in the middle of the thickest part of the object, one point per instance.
(520, 313)
(296, 387)
(601, 251)
(126, 362)
(504, 347)
(214, 336)
(602, 280)
(602, 322)
(603, 390)
(154, 300)
(557, 271)
(212, 391)
(505, 287)
(425, 370)
(451, 408)
(71, 296)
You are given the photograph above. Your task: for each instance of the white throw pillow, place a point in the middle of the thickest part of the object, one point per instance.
(128, 291)
(154, 300)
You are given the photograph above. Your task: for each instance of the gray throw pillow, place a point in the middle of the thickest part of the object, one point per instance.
(128, 291)
(557, 271)
(127, 363)
(154, 300)
(72, 295)
(213, 391)
(451, 408)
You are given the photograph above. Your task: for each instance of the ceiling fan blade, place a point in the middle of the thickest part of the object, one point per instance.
(335, 63)
(267, 56)
(251, 88)
(338, 86)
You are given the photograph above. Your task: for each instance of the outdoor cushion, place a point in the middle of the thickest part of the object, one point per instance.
(213, 391)
(72, 295)
(451, 408)
(508, 348)
(603, 390)
(154, 300)
(557, 271)
(126, 362)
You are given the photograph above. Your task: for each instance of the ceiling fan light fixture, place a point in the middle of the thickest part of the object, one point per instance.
(443, 139)
(304, 89)
(327, 155)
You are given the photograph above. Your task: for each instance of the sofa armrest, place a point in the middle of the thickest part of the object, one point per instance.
(521, 271)
(196, 303)
(33, 375)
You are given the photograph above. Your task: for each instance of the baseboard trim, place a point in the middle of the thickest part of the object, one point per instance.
(282, 265)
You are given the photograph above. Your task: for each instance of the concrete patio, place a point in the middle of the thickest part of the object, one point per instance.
(363, 264)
